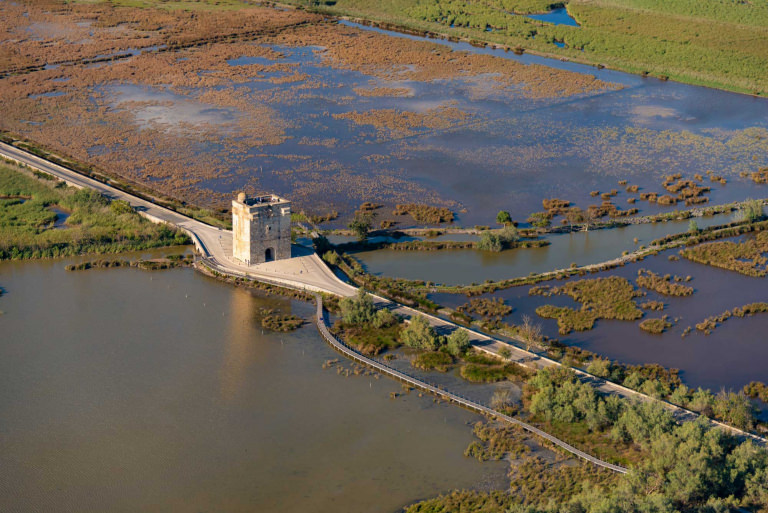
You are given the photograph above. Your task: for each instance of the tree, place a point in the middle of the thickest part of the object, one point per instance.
(361, 225)
(489, 241)
(420, 335)
(600, 367)
(503, 218)
(530, 332)
(751, 210)
(575, 215)
(508, 235)
(457, 342)
(693, 227)
(383, 318)
(540, 219)
(358, 310)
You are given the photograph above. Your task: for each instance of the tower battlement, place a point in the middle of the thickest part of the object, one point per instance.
(261, 228)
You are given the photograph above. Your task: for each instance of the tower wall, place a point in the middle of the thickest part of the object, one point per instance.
(261, 229)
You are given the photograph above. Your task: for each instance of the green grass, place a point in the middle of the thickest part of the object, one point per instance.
(433, 360)
(718, 43)
(95, 224)
(612, 297)
(367, 340)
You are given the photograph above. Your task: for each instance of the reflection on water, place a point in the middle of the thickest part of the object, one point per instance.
(240, 351)
(509, 153)
(456, 267)
(123, 390)
(732, 356)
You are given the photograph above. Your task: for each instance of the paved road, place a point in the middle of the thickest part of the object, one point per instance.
(307, 271)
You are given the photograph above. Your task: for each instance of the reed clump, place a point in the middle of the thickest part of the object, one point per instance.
(283, 323)
(486, 307)
(425, 213)
(710, 323)
(746, 257)
(656, 325)
(667, 285)
(601, 298)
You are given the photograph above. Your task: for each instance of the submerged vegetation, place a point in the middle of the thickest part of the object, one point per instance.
(28, 225)
(710, 323)
(425, 213)
(275, 321)
(695, 42)
(154, 264)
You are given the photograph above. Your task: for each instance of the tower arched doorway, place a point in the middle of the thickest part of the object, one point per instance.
(269, 255)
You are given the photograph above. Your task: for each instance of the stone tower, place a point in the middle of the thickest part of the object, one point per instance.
(261, 229)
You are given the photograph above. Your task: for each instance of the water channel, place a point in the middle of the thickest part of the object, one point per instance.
(466, 266)
(125, 390)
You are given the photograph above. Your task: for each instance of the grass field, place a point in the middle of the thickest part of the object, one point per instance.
(28, 227)
(718, 43)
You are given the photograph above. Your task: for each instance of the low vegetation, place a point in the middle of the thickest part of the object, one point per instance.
(745, 257)
(425, 213)
(440, 361)
(673, 467)
(486, 307)
(275, 321)
(710, 323)
(652, 305)
(667, 285)
(481, 368)
(155, 264)
(657, 325)
(497, 441)
(369, 330)
(694, 42)
(600, 298)
(94, 224)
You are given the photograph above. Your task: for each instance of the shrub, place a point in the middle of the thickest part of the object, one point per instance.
(420, 335)
(457, 343)
(358, 310)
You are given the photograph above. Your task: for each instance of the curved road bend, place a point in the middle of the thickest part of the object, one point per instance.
(307, 271)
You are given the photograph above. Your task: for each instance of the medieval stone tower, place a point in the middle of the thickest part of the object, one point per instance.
(261, 229)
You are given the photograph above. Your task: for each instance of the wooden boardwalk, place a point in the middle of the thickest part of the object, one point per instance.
(347, 351)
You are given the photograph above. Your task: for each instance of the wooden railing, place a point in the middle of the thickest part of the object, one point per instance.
(470, 404)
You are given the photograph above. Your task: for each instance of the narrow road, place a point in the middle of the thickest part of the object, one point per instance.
(306, 271)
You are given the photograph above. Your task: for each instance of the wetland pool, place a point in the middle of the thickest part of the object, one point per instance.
(326, 136)
(466, 266)
(125, 390)
(734, 354)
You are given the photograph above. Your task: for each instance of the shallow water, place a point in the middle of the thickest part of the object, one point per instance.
(465, 266)
(124, 390)
(61, 217)
(513, 152)
(732, 356)
(557, 16)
